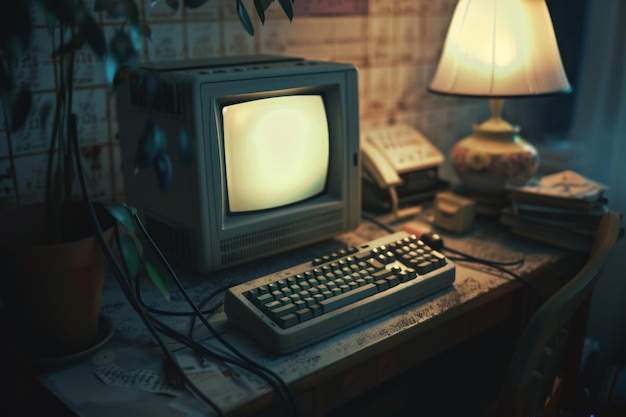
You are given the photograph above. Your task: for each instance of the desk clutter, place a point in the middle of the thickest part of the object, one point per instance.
(122, 377)
(563, 209)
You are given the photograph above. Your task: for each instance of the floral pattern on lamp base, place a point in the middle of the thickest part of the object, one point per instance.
(485, 165)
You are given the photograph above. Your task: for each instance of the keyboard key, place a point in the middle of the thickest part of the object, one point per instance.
(264, 299)
(424, 267)
(392, 280)
(282, 310)
(381, 284)
(348, 298)
(304, 314)
(316, 310)
(382, 274)
(287, 320)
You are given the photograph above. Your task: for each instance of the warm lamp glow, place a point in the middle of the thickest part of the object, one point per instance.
(500, 48)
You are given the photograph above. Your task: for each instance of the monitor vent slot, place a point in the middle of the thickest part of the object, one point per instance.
(161, 95)
(274, 239)
(173, 240)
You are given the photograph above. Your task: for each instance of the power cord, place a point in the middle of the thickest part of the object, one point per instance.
(465, 257)
(271, 377)
(500, 266)
(189, 313)
(155, 326)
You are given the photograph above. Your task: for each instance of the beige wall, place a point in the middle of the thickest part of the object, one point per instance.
(395, 46)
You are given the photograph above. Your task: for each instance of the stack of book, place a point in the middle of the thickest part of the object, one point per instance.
(563, 209)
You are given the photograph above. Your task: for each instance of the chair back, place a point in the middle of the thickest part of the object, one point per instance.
(535, 363)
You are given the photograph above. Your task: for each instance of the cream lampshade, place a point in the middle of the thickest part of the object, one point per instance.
(498, 49)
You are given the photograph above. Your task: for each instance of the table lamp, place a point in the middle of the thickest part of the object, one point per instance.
(498, 49)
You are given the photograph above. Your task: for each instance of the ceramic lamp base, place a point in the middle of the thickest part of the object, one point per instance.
(493, 156)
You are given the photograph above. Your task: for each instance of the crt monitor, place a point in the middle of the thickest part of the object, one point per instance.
(275, 162)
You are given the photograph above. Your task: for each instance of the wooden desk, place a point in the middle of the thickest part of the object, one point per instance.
(331, 373)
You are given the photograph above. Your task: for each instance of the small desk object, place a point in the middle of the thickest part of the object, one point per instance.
(125, 376)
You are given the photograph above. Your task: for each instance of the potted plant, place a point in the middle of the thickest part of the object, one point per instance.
(36, 238)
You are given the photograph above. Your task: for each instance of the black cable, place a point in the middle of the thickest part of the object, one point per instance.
(210, 311)
(192, 314)
(204, 351)
(388, 229)
(378, 223)
(153, 323)
(147, 320)
(491, 264)
(272, 378)
(198, 347)
(472, 258)
(465, 257)
(171, 313)
(119, 274)
(188, 340)
(498, 265)
(250, 365)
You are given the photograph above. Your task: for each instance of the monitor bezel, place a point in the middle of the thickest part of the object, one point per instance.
(331, 87)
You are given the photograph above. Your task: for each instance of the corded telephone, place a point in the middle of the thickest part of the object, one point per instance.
(399, 166)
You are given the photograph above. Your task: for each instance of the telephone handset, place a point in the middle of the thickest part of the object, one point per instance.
(393, 150)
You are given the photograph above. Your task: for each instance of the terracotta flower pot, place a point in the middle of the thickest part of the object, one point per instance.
(52, 292)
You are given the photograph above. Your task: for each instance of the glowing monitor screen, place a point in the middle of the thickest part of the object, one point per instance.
(276, 151)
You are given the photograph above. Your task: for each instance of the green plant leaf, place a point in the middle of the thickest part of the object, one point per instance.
(122, 51)
(122, 215)
(150, 145)
(130, 253)
(76, 43)
(132, 12)
(138, 244)
(163, 169)
(261, 6)
(94, 36)
(287, 6)
(187, 148)
(194, 4)
(146, 30)
(137, 33)
(157, 280)
(121, 45)
(120, 77)
(244, 18)
(124, 48)
(136, 37)
(111, 67)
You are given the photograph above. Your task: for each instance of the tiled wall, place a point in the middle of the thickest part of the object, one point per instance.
(394, 44)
